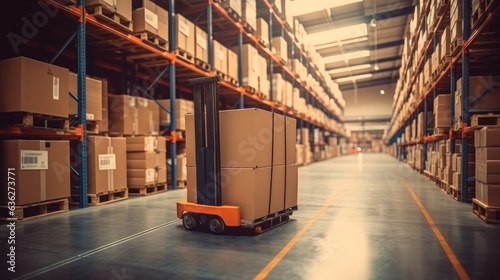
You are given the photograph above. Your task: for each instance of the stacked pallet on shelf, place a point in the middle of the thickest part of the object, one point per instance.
(249, 15)
(185, 38)
(486, 205)
(117, 13)
(201, 49)
(456, 26)
(151, 23)
(146, 165)
(442, 114)
(34, 95)
(308, 156)
(94, 100)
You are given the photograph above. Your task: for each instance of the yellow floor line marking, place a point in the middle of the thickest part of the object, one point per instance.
(272, 264)
(462, 274)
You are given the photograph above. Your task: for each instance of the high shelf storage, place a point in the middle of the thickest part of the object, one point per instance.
(449, 41)
(156, 69)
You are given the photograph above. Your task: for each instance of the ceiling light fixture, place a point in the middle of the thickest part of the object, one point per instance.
(382, 91)
(338, 34)
(297, 8)
(347, 69)
(373, 22)
(346, 56)
(353, 78)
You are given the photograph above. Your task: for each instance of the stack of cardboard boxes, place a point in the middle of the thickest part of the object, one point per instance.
(184, 35)
(123, 8)
(183, 107)
(146, 164)
(257, 158)
(484, 94)
(442, 114)
(132, 115)
(487, 143)
(249, 13)
(306, 141)
(456, 21)
(151, 19)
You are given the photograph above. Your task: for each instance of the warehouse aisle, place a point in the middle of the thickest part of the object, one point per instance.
(357, 219)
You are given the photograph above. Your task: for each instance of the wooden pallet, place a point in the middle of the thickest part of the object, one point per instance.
(102, 198)
(263, 42)
(233, 14)
(441, 131)
(220, 74)
(486, 213)
(147, 190)
(181, 184)
(34, 210)
(231, 80)
(485, 120)
(202, 64)
(184, 55)
(152, 39)
(105, 13)
(454, 192)
(250, 89)
(456, 45)
(31, 120)
(248, 27)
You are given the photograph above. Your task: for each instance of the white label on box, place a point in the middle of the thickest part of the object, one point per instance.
(107, 162)
(184, 28)
(34, 160)
(150, 175)
(55, 88)
(202, 42)
(90, 116)
(151, 18)
(149, 144)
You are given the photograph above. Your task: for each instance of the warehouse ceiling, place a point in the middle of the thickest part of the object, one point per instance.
(361, 41)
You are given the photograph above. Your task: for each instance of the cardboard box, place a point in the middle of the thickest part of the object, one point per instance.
(489, 194)
(151, 18)
(457, 179)
(93, 100)
(232, 65)
(246, 138)
(262, 31)
(128, 115)
(32, 86)
(107, 164)
(146, 144)
(182, 107)
(487, 153)
(234, 5)
(154, 118)
(121, 7)
(299, 152)
(279, 43)
(181, 167)
(445, 43)
(41, 170)
(146, 160)
(145, 177)
(220, 57)
(249, 12)
(201, 48)
(184, 35)
(488, 171)
(104, 124)
(488, 137)
(250, 65)
(249, 188)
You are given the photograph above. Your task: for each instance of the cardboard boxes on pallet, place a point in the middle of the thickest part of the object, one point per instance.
(281, 46)
(120, 7)
(251, 66)
(484, 93)
(257, 159)
(33, 86)
(249, 13)
(262, 31)
(201, 44)
(107, 164)
(184, 34)
(487, 145)
(93, 89)
(131, 115)
(182, 107)
(150, 18)
(220, 58)
(146, 161)
(234, 5)
(232, 68)
(442, 111)
(40, 168)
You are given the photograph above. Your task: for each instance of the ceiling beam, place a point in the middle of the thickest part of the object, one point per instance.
(366, 71)
(368, 83)
(379, 61)
(370, 48)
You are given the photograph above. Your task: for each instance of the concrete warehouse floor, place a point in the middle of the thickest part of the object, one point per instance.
(357, 219)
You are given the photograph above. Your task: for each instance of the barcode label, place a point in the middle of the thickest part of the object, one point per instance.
(34, 160)
(107, 162)
(55, 88)
(151, 18)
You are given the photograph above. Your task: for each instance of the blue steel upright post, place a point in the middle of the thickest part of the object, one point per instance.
(82, 114)
(240, 67)
(210, 35)
(171, 48)
(453, 88)
(271, 61)
(465, 100)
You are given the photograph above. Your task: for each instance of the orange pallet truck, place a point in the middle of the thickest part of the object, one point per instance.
(209, 209)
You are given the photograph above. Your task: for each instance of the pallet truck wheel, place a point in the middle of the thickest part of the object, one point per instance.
(258, 229)
(216, 225)
(189, 221)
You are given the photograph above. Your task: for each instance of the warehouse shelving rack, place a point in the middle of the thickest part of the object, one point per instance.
(134, 54)
(480, 39)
